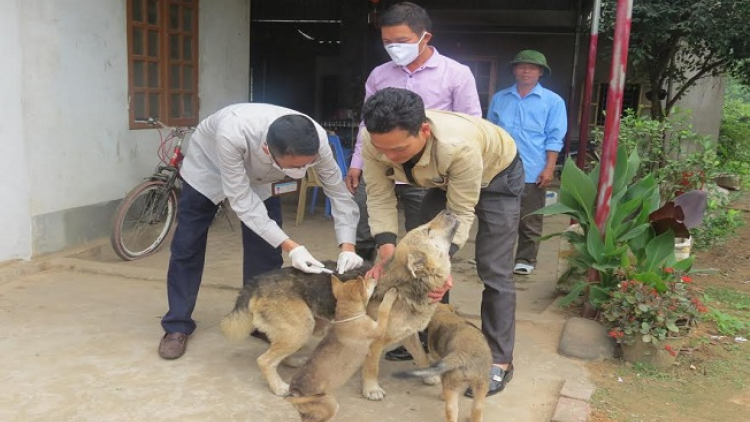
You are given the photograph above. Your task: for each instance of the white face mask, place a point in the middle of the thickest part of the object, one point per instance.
(297, 173)
(404, 53)
(294, 173)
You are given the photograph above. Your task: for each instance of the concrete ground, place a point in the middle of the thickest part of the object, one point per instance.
(80, 332)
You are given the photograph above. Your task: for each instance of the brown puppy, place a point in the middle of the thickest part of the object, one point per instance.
(462, 358)
(341, 351)
(285, 303)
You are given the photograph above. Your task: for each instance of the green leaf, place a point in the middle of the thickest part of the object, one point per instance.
(684, 265)
(598, 295)
(658, 250)
(643, 307)
(556, 209)
(575, 292)
(594, 243)
(672, 327)
(579, 188)
(647, 338)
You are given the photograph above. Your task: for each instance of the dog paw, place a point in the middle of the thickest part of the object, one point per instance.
(281, 390)
(431, 380)
(373, 393)
(294, 361)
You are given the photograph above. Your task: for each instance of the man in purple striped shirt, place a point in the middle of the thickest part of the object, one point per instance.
(441, 82)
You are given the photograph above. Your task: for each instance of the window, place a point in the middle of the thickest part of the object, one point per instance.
(630, 100)
(485, 73)
(163, 61)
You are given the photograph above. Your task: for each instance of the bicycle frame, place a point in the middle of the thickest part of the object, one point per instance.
(169, 172)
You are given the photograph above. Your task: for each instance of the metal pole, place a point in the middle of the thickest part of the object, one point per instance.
(583, 140)
(572, 95)
(614, 109)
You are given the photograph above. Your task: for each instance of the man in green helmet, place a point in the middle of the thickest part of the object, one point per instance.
(535, 118)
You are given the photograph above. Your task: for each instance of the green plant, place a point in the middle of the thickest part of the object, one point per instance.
(676, 156)
(719, 222)
(627, 227)
(734, 137)
(727, 324)
(652, 306)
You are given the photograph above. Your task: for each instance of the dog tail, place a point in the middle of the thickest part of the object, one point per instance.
(237, 324)
(448, 363)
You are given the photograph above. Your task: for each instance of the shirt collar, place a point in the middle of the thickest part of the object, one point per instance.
(433, 62)
(538, 90)
(426, 157)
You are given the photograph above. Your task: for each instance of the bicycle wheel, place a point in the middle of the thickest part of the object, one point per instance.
(139, 228)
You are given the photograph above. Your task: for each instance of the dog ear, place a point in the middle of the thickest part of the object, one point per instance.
(363, 289)
(335, 285)
(416, 262)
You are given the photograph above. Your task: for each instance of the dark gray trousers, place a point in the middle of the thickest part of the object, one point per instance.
(531, 226)
(498, 212)
(409, 197)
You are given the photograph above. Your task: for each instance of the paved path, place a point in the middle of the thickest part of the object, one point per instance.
(80, 331)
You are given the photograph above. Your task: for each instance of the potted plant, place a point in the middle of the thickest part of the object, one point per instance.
(650, 314)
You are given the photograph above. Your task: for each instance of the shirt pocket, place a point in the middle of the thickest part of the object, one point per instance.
(534, 120)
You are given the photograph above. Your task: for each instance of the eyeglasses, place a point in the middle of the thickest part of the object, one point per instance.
(280, 167)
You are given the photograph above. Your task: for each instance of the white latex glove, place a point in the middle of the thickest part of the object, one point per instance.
(348, 261)
(303, 261)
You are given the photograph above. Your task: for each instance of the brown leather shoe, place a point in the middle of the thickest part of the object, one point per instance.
(173, 345)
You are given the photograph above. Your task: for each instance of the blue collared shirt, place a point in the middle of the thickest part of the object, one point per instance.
(537, 123)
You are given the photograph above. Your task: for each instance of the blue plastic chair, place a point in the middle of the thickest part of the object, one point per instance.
(338, 153)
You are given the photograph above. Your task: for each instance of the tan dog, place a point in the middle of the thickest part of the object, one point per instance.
(462, 358)
(285, 303)
(341, 351)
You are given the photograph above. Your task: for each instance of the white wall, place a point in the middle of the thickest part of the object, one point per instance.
(15, 221)
(224, 54)
(65, 70)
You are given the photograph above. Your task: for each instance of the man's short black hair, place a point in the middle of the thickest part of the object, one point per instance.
(408, 14)
(394, 108)
(293, 135)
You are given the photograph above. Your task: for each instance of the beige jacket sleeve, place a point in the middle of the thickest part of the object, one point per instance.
(464, 185)
(381, 195)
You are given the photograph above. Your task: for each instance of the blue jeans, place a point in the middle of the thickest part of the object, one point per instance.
(195, 213)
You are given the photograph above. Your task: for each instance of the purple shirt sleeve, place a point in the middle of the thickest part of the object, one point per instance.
(465, 95)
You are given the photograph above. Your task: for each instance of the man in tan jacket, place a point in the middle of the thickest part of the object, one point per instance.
(471, 167)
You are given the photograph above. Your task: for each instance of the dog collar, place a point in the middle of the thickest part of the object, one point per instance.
(358, 316)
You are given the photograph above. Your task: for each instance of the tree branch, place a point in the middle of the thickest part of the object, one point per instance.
(690, 82)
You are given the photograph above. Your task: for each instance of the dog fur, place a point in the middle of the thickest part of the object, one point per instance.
(285, 303)
(341, 351)
(462, 358)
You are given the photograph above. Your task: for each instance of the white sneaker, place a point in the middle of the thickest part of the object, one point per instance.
(523, 269)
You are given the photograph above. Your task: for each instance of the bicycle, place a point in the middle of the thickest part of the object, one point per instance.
(146, 214)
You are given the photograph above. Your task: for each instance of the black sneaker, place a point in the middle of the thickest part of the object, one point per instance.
(401, 354)
(498, 379)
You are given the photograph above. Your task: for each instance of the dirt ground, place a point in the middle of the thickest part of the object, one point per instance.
(711, 380)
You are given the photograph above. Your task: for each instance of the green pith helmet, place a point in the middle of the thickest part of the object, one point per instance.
(533, 57)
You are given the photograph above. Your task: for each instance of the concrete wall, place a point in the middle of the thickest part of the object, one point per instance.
(15, 220)
(81, 157)
(706, 100)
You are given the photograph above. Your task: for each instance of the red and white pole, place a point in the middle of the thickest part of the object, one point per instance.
(614, 109)
(583, 141)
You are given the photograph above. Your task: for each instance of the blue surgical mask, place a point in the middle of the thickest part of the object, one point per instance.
(404, 53)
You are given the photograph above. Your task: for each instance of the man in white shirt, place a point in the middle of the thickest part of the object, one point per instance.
(249, 153)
